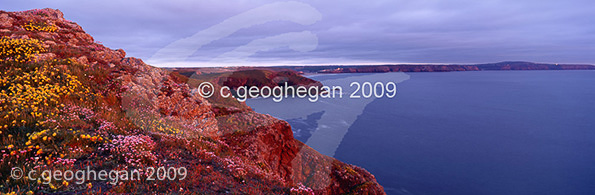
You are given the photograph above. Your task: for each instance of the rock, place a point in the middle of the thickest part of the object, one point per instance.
(84, 37)
(82, 60)
(49, 43)
(54, 13)
(46, 35)
(5, 21)
(122, 53)
(15, 36)
(45, 56)
(106, 56)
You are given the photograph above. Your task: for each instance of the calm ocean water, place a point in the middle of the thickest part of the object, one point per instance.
(489, 132)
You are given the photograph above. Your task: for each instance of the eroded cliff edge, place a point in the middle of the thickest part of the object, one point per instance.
(122, 104)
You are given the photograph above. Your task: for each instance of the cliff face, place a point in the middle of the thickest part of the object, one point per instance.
(70, 103)
(441, 68)
(401, 68)
(248, 76)
(532, 66)
(384, 68)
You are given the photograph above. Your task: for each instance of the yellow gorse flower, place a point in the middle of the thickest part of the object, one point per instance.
(19, 50)
(40, 26)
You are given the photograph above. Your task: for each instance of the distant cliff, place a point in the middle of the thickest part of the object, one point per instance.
(245, 76)
(532, 66)
(439, 68)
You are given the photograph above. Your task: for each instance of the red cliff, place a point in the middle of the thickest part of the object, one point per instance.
(70, 102)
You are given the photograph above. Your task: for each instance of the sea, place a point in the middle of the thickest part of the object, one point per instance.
(476, 132)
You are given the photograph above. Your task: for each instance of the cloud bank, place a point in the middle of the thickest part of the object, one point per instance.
(348, 32)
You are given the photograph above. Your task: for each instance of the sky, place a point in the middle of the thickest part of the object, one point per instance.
(182, 33)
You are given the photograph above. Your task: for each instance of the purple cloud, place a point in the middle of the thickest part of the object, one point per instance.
(351, 32)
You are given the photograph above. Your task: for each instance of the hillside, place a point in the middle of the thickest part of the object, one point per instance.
(514, 65)
(69, 103)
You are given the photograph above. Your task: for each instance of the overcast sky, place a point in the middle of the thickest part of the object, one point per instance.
(262, 32)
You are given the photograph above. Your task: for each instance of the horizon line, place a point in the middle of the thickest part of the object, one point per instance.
(231, 65)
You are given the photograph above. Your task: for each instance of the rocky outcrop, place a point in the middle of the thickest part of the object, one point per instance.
(234, 150)
(270, 141)
(246, 76)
